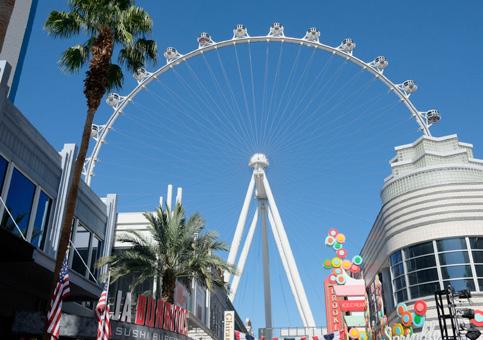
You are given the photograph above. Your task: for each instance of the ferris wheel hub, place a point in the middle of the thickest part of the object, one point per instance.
(258, 161)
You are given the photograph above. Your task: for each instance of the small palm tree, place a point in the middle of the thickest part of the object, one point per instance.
(173, 249)
(105, 24)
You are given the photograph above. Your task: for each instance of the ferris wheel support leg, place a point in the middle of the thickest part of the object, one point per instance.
(243, 256)
(235, 244)
(292, 271)
(266, 265)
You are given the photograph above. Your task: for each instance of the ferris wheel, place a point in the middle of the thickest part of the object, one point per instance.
(220, 92)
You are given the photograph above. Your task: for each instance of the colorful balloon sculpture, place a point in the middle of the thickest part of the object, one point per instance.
(336, 240)
(409, 319)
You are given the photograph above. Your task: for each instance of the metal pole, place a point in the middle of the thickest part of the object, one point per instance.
(298, 291)
(266, 265)
(243, 256)
(235, 244)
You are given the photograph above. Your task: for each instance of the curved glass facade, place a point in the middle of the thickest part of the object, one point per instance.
(420, 269)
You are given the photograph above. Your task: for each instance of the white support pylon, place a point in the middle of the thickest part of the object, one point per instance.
(267, 208)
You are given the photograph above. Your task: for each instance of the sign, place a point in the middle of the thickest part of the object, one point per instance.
(352, 305)
(229, 332)
(332, 308)
(355, 320)
(350, 290)
(152, 313)
(478, 320)
(129, 331)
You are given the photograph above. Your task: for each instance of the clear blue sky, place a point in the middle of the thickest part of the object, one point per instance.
(327, 164)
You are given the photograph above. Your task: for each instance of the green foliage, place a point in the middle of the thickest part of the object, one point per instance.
(174, 246)
(127, 23)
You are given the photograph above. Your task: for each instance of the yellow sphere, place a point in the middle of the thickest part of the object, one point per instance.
(346, 264)
(340, 238)
(336, 262)
(354, 333)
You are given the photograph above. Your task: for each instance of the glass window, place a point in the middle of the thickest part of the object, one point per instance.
(478, 256)
(401, 296)
(396, 257)
(397, 270)
(419, 249)
(456, 257)
(81, 243)
(96, 254)
(41, 220)
(424, 290)
(479, 271)
(476, 243)
(3, 170)
(452, 272)
(451, 244)
(421, 263)
(19, 202)
(400, 283)
(459, 285)
(422, 276)
(480, 282)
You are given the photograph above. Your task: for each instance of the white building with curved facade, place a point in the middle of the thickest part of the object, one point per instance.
(429, 231)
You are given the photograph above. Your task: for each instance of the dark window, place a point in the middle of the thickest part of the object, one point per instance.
(456, 257)
(421, 263)
(478, 256)
(96, 254)
(396, 257)
(41, 220)
(424, 290)
(453, 272)
(399, 283)
(401, 296)
(81, 243)
(480, 282)
(451, 244)
(459, 285)
(422, 276)
(479, 271)
(19, 202)
(419, 249)
(3, 170)
(397, 270)
(476, 243)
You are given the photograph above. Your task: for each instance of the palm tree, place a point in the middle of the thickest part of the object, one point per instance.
(106, 24)
(173, 249)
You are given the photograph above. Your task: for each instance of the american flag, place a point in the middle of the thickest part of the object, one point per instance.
(333, 336)
(102, 314)
(62, 289)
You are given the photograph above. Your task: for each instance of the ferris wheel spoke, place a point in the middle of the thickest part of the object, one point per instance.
(237, 112)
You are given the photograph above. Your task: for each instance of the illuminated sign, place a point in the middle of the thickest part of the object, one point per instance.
(332, 309)
(152, 313)
(352, 305)
(350, 290)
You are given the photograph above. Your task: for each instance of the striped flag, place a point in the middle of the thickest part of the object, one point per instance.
(102, 314)
(62, 289)
(242, 336)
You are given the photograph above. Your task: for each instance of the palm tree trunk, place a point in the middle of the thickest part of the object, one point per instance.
(95, 85)
(169, 285)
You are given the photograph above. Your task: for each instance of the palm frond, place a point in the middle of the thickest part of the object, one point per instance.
(74, 58)
(115, 78)
(136, 20)
(63, 24)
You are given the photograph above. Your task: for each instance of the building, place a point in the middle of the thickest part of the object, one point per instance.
(429, 230)
(206, 308)
(16, 19)
(33, 189)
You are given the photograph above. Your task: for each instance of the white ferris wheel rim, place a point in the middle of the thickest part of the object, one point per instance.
(148, 77)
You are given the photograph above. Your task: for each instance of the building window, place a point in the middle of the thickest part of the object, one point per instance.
(456, 257)
(3, 171)
(399, 281)
(476, 244)
(41, 220)
(19, 202)
(421, 269)
(81, 251)
(96, 246)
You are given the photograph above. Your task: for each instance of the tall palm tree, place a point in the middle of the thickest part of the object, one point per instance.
(173, 249)
(106, 24)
